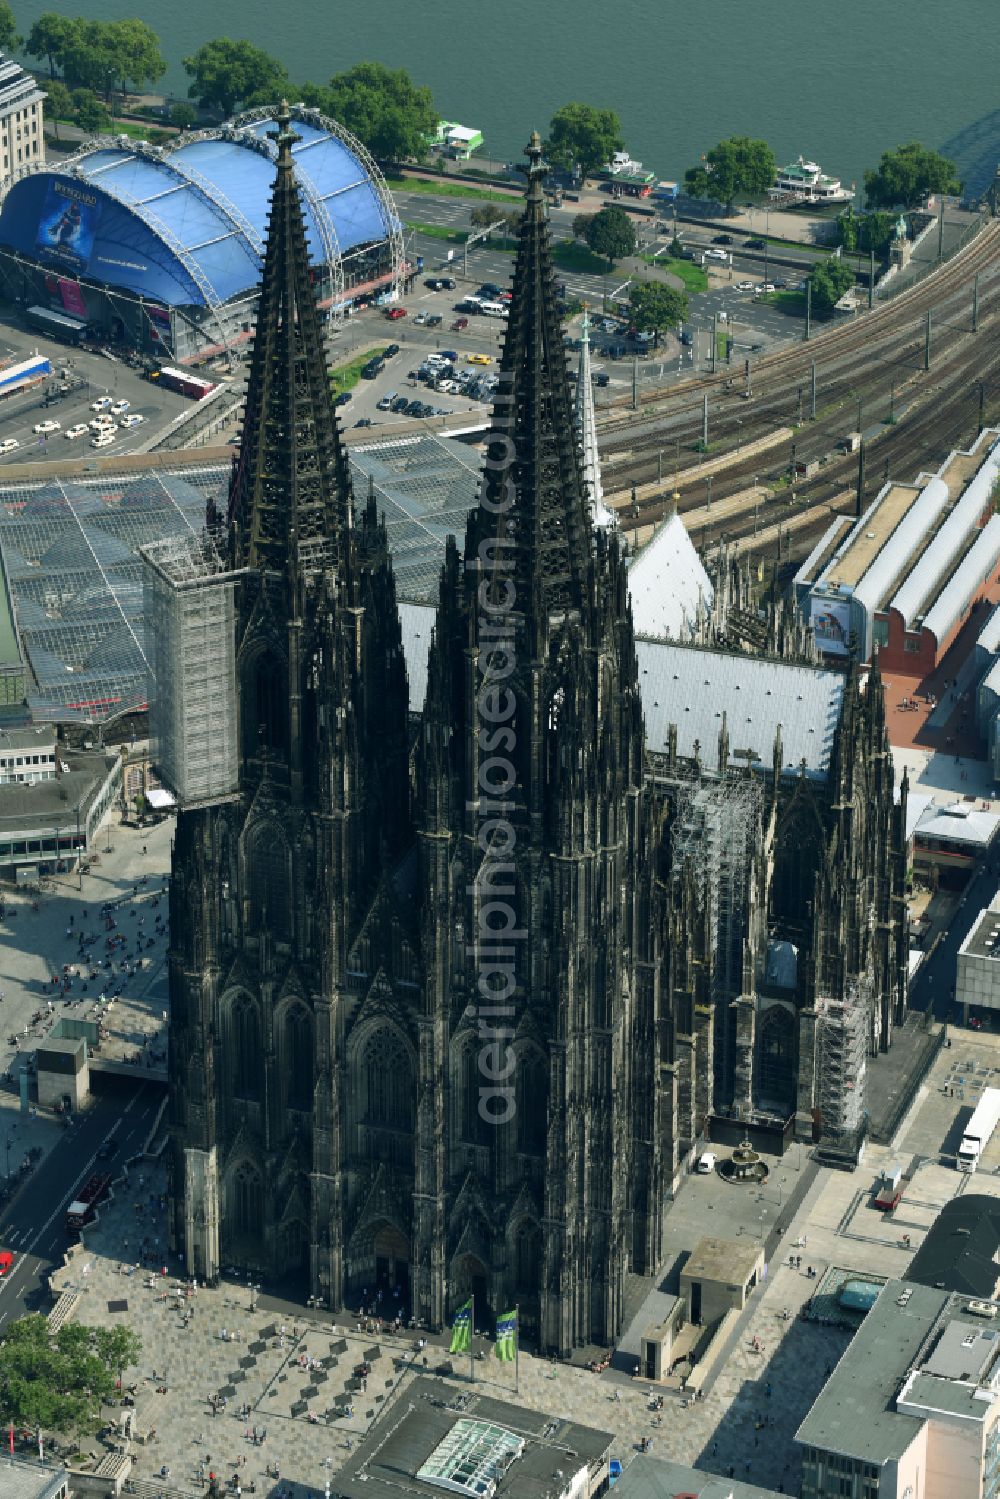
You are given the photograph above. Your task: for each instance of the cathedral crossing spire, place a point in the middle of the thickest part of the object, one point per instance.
(290, 496)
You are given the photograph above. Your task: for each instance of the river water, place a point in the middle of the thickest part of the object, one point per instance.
(836, 83)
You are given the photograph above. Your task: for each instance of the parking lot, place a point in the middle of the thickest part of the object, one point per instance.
(80, 378)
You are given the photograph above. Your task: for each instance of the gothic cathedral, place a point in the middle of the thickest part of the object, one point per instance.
(452, 997)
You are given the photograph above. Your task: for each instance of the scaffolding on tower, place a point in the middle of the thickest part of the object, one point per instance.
(844, 1025)
(190, 609)
(715, 832)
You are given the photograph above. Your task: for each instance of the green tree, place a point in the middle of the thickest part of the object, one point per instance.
(183, 115)
(59, 104)
(583, 137)
(736, 167)
(655, 307)
(486, 213)
(135, 48)
(89, 113)
(390, 114)
(866, 232)
(51, 37)
(829, 281)
(9, 39)
(581, 223)
(611, 233)
(906, 177)
(226, 74)
(59, 1382)
(313, 96)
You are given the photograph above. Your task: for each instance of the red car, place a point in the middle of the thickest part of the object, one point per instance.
(395, 313)
(6, 1260)
(459, 324)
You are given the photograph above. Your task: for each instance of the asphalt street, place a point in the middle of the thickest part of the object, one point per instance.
(33, 1223)
(21, 410)
(934, 984)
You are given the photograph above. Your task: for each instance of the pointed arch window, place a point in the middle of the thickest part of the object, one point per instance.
(247, 1201)
(297, 1057)
(246, 1060)
(269, 882)
(388, 1082)
(531, 1096)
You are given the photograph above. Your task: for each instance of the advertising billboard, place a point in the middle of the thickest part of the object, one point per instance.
(831, 621)
(67, 225)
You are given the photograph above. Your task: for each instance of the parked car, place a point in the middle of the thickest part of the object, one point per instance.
(745, 286)
(8, 445)
(421, 317)
(435, 320)
(395, 313)
(80, 430)
(363, 421)
(459, 325)
(386, 401)
(478, 359)
(134, 419)
(449, 354)
(101, 404)
(102, 439)
(119, 408)
(42, 429)
(344, 399)
(6, 1262)
(600, 378)
(390, 351)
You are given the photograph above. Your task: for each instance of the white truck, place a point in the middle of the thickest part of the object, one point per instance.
(979, 1130)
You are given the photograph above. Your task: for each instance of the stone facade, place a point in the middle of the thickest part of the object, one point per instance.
(454, 996)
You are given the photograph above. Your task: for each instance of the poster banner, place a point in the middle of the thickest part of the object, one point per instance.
(72, 298)
(832, 623)
(68, 225)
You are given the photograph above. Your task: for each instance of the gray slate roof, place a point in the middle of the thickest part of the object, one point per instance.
(692, 687)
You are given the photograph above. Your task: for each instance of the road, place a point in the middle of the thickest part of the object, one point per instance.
(935, 981)
(20, 411)
(33, 1224)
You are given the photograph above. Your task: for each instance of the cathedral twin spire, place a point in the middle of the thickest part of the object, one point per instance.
(289, 507)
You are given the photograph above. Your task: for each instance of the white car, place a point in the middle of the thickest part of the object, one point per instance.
(765, 287)
(8, 445)
(102, 424)
(450, 387)
(421, 317)
(41, 428)
(80, 430)
(119, 408)
(132, 420)
(745, 286)
(711, 254)
(102, 440)
(101, 404)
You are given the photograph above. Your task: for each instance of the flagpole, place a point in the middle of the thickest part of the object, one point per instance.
(517, 1346)
(472, 1334)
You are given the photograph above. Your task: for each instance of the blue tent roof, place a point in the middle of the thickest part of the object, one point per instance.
(186, 226)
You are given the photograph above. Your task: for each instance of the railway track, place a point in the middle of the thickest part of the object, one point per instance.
(877, 360)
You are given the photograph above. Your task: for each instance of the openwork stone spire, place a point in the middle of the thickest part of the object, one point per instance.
(290, 497)
(533, 493)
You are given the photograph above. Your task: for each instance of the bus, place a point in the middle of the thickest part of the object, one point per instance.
(81, 1210)
(69, 330)
(182, 382)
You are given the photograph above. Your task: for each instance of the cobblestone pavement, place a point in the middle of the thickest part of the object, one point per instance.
(38, 944)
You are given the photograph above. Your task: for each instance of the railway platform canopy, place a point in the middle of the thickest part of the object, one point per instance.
(70, 568)
(900, 581)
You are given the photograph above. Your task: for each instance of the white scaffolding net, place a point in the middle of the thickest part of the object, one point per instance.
(844, 1027)
(189, 607)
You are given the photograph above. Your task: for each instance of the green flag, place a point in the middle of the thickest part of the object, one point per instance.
(461, 1329)
(506, 1347)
